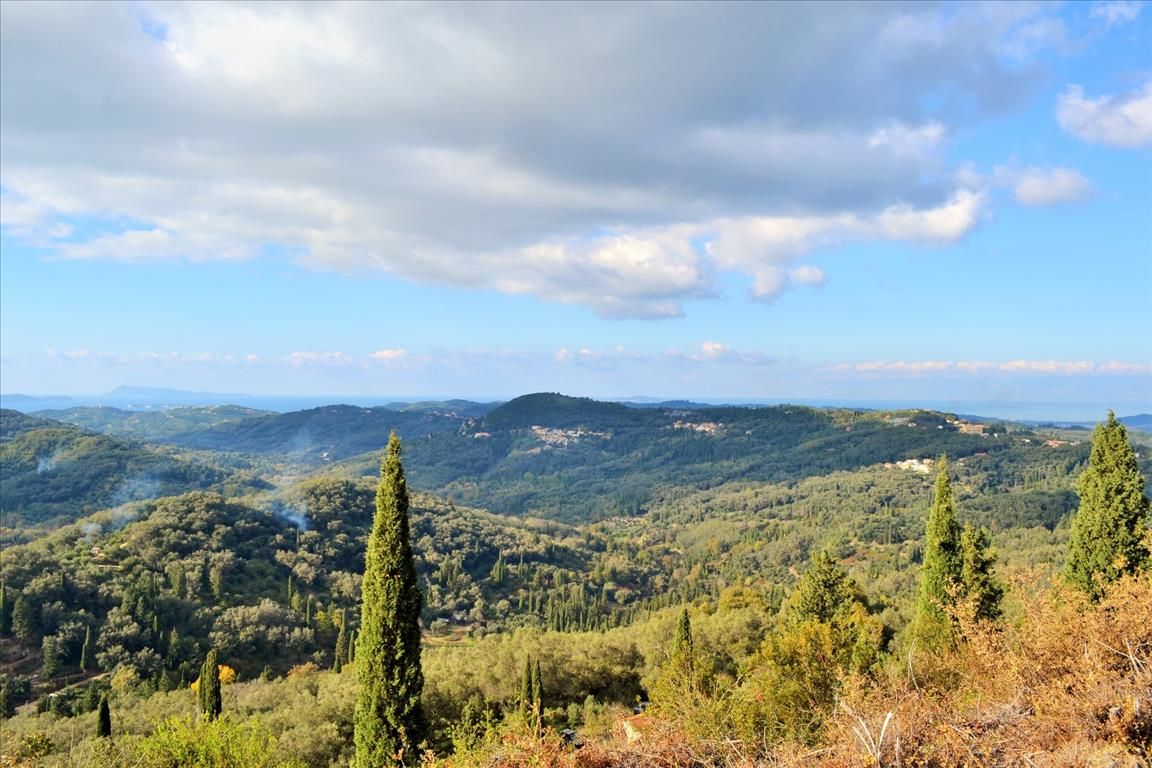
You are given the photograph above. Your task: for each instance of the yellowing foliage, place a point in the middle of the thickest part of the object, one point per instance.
(227, 677)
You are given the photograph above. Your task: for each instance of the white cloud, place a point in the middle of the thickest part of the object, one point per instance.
(1040, 186)
(390, 355)
(941, 225)
(1116, 12)
(1124, 121)
(715, 352)
(490, 146)
(807, 274)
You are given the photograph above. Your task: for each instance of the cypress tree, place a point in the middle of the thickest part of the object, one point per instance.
(941, 570)
(1107, 537)
(50, 657)
(23, 620)
(390, 722)
(537, 697)
(822, 592)
(3, 609)
(104, 719)
(341, 642)
(211, 702)
(979, 584)
(683, 643)
(86, 651)
(526, 689)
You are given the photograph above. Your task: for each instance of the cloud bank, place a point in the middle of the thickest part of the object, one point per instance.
(618, 156)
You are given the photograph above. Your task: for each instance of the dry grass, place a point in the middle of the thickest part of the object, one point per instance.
(1069, 684)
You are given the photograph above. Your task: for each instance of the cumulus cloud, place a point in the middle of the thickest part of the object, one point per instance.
(491, 146)
(765, 246)
(1051, 367)
(1115, 121)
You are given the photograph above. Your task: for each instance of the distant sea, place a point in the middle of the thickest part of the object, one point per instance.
(1012, 410)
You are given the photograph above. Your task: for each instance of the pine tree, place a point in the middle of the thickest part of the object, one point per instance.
(210, 699)
(390, 722)
(1107, 537)
(104, 719)
(978, 584)
(86, 651)
(942, 567)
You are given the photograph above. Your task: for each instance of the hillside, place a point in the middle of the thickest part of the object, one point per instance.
(317, 434)
(575, 459)
(50, 471)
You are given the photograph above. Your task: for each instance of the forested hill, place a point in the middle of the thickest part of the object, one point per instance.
(575, 459)
(50, 471)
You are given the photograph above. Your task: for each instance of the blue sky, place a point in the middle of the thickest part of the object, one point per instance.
(922, 202)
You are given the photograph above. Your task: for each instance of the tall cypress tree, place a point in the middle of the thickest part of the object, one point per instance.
(211, 702)
(341, 643)
(1107, 537)
(23, 620)
(86, 659)
(537, 697)
(50, 656)
(526, 689)
(390, 722)
(941, 571)
(104, 719)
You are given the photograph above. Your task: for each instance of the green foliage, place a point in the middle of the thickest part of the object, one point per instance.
(826, 594)
(683, 647)
(340, 653)
(823, 592)
(1108, 531)
(209, 695)
(104, 719)
(390, 722)
(23, 620)
(537, 686)
(87, 651)
(791, 687)
(220, 743)
(942, 567)
(51, 471)
(49, 657)
(978, 582)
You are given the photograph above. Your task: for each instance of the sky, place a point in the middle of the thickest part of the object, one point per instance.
(847, 202)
